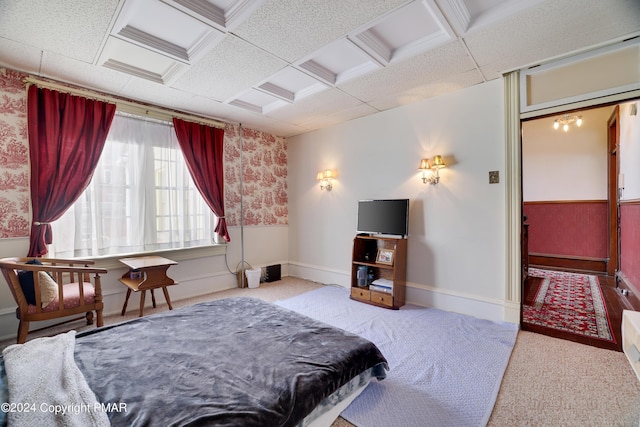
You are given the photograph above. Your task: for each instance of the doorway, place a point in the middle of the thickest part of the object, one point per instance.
(571, 201)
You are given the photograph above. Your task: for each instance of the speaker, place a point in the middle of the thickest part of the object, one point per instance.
(272, 273)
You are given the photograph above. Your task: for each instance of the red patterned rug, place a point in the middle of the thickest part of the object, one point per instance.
(569, 302)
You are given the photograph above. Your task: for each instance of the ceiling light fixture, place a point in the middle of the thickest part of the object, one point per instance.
(567, 120)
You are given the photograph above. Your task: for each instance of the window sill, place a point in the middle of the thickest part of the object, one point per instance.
(113, 261)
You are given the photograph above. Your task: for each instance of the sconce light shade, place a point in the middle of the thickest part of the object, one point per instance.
(325, 177)
(438, 163)
(433, 177)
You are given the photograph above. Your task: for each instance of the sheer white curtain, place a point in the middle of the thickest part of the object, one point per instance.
(141, 197)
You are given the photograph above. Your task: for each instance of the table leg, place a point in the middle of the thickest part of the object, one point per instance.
(142, 302)
(153, 298)
(166, 296)
(124, 307)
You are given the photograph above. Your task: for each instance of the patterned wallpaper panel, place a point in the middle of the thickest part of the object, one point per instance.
(14, 156)
(264, 187)
(264, 165)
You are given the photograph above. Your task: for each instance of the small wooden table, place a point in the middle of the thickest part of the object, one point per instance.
(147, 273)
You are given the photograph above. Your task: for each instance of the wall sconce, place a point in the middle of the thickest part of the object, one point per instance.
(433, 177)
(326, 177)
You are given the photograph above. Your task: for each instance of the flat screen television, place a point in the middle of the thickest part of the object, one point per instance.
(390, 216)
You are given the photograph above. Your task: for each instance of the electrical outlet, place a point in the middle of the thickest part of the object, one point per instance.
(494, 177)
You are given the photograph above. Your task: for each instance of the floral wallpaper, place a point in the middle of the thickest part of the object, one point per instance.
(264, 168)
(14, 156)
(264, 188)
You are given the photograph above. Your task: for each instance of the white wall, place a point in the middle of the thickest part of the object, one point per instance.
(456, 254)
(630, 150)
(558, 165)
(264, 245)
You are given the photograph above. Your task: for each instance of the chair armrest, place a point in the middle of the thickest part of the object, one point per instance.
(61, 268)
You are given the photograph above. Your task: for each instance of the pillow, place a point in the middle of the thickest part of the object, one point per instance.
(48, 288)
(26, 282)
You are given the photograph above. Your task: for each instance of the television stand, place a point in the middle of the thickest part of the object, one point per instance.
(384, 258)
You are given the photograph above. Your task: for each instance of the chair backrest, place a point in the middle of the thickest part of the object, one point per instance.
(75, 284)
(61, 270)
(11, 276)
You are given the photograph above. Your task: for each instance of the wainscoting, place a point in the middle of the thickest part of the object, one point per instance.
(570, 234)
(630, 248)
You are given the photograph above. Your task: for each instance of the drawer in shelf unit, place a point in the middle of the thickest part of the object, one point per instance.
(361, 293)
(382, 298)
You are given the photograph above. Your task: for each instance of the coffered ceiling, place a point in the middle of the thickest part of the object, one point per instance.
(290, 66)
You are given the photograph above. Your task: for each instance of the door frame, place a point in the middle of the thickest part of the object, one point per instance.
(613, 168)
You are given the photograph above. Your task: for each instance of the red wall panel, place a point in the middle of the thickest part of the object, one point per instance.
(630, 242)
(571, 228)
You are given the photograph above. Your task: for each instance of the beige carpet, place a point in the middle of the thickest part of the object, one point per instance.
(549, 382)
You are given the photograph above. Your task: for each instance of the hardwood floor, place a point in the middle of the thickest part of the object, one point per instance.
(613, 300)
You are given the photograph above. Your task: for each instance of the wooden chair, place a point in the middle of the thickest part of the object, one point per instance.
(75, 292)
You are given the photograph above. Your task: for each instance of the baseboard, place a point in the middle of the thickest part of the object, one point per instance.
(320, 274)
(566, 262)
(633, 297)
(423, 295)
(459, 302)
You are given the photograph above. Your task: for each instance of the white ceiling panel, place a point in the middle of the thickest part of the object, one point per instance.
(267, 124)
(20, 57)
(229, 69)
(85, 75)
(292, 29)
(258, 101)
(324, 103)
(427, 90)
(292, 85)
(468, 15)
(550, 29)
(410, 30)
(294, 65)
(339, 62)
(133, 59)
(152, 93)
(225, 14)
(319, 121)
(73, 28)
(145, 23)
(431, 66)
(360, 110)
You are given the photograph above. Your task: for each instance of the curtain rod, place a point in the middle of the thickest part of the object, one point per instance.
(122, 104)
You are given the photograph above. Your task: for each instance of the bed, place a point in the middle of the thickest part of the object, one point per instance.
(233, 362)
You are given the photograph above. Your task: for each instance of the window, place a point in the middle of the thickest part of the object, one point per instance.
(141, 197)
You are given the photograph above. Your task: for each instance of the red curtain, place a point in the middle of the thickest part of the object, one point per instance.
(202, 147)
(66, 136)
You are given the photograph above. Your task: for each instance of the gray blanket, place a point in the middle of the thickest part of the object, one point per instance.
(232, 362)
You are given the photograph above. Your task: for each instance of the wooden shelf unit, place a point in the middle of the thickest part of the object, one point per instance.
(365, 250)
